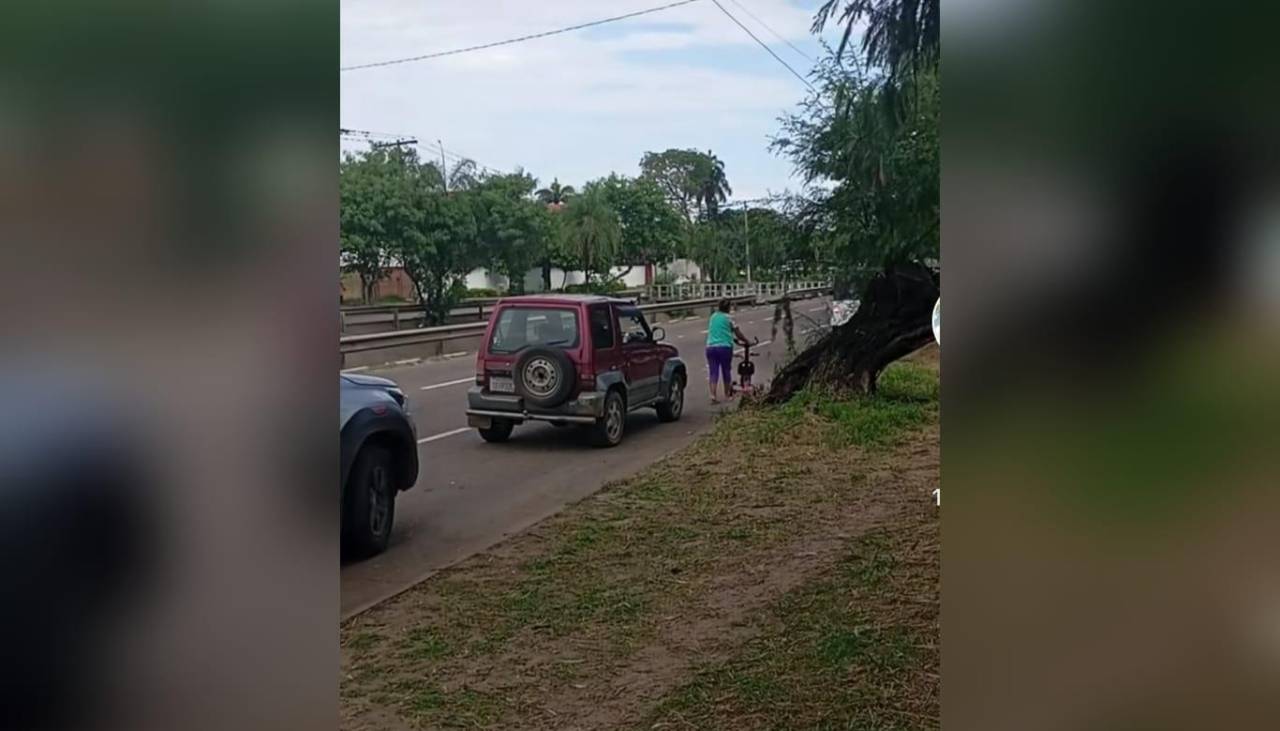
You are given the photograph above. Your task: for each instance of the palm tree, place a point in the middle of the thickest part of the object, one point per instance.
(464, 175)
(901, 35)
(555, 194)
(592, 231)
(713, 187)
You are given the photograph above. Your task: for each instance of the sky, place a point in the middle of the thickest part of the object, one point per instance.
(579, 105)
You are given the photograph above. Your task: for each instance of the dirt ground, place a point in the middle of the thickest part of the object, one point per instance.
(782, 572)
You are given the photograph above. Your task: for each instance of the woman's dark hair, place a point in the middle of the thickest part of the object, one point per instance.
(723, 305)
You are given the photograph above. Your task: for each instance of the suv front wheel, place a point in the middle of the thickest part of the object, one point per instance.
(608, 429)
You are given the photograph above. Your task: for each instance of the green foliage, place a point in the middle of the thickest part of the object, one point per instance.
(907, 397)
(514, 228)
(651, 228)
(664, 277)
(483, 293)
(378, 191)
(900, 35)
(591, 233)
(438, 261)
(555, 193)
(694, 182)
(611, 286)
(717, 245)
(882, 159)
(394, 209)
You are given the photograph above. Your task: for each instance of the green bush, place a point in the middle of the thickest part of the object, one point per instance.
(595, 288)
(483, 293)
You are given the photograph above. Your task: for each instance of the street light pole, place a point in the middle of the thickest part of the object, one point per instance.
(444, 167)
(746, 236)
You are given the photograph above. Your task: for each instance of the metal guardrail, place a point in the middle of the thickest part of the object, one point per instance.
(410, 312)
(468, 303)
(419, 336)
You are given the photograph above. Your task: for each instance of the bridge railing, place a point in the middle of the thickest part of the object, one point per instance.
(690, 290)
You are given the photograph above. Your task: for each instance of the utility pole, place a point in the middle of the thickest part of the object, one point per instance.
(444, 167)
(746, 236)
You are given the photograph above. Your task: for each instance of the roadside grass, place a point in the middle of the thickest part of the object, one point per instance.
(856, 649)
(572, 601)
(907, 397)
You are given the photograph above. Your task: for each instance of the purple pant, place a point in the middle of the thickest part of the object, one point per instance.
(720, 362)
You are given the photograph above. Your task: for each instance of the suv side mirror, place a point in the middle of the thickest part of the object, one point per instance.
(659, 334)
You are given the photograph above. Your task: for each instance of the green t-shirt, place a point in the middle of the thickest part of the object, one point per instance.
(720, 330)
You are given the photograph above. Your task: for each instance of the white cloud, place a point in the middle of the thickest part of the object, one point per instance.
(580, 104)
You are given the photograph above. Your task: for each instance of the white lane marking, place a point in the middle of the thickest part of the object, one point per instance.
(819, 309)
(754, 345)
(448, 383)
(679, 337)
(442, 435)
(704, 332)
(357, 369)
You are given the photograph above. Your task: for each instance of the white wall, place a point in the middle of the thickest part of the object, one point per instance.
(484, 279)
(685, 270)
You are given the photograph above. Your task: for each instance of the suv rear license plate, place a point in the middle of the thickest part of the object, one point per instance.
(501, 384)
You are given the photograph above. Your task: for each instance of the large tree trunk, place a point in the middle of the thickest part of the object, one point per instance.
(615, 277)
(894, 319)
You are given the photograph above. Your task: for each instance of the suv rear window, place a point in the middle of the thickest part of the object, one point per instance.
(521, 327)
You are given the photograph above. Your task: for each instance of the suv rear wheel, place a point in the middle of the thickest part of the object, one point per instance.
(371, 502)
(608, 430)
(673, 407)
(499, 430)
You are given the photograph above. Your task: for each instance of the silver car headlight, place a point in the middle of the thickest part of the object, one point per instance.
(399, 396)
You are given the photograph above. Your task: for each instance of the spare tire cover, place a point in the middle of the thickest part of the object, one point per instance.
(544, 377)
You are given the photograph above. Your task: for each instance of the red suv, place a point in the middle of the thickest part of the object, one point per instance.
(572, 359)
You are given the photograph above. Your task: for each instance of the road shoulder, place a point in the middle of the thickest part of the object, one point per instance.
(785, 551)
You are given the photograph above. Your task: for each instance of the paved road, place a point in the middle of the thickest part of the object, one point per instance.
(471, 494)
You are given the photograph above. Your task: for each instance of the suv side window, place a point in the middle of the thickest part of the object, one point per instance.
(601, 327)
(634, 328)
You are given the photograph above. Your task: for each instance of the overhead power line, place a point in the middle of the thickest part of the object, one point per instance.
(520, 39)
(775, 33)
(372, 138)
(763, 45)
(386, 139)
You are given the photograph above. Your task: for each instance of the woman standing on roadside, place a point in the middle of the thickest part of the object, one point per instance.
(721, 334)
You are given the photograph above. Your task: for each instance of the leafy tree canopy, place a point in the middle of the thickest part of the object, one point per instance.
(693, 181)
(651, 228)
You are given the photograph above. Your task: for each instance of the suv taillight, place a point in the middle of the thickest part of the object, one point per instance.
(479, 370)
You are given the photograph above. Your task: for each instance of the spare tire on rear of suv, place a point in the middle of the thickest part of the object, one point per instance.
(544, 376)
